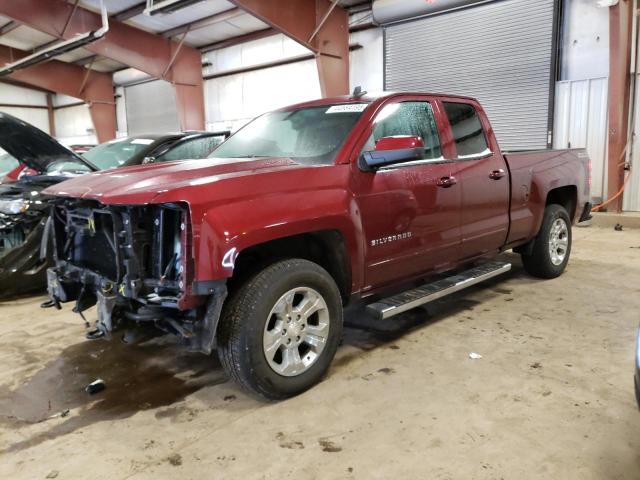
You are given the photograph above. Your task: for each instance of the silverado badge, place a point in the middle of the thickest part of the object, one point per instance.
(391, 238)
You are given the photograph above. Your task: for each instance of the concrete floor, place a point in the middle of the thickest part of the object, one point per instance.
(551, 397)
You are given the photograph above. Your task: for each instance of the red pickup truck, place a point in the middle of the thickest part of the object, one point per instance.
(255, 251)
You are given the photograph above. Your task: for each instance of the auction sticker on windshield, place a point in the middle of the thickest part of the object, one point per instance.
(348, 108)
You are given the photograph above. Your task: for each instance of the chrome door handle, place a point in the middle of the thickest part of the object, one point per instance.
(497, 174)
(446, 182)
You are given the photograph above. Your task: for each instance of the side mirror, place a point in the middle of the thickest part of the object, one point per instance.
(392, 150)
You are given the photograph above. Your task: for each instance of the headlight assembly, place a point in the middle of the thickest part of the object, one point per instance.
(14, 207)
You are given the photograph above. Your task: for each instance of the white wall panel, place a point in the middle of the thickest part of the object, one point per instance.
(151, 108)
(365, 67)
(232, 100)
(121, 112)
(22, 96)
(256, 52)
(74, 125)
(38, 117)
(585, 40)
(60, 100)
(580, 121)
(631, 196)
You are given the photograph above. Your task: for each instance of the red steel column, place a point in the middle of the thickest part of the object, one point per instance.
(51, 115)
(160, 57)
(333, 57)
(302, 20)
(96, 88)
(620, 27)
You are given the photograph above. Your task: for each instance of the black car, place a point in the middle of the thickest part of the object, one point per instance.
(24, 210)
(142, 149)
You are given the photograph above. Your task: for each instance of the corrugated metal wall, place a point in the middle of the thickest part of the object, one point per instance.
(499, 52)
(387, 11)
(581, 122)
(151, 108)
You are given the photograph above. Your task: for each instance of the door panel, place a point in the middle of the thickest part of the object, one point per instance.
(411, 225)
(485, 205)
(483, 173)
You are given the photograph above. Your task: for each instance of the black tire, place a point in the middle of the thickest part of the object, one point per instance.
(244, 319)
(539, 263)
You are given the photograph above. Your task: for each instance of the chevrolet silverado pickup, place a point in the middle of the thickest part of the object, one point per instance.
(391, 200)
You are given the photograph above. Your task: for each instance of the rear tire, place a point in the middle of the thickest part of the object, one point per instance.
(552, 245)
(280, 330)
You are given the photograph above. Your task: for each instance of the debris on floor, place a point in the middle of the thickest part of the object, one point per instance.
(95, 387)
(329, 446)
(475, 356)
(62, 414)
(618, 227)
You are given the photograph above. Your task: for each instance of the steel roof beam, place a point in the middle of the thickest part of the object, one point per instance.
(320, 25)
(8, 27)
(157, 56)
(95, 88)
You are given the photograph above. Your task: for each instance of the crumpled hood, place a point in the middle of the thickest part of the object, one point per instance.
(146, 183)
(31, 146)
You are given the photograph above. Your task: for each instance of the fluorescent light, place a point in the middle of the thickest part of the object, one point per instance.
(167, 6)
(58, 49)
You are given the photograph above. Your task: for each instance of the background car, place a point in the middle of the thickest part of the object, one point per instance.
(7, 163)
(81, 148)
(43, 162)
(153, 148)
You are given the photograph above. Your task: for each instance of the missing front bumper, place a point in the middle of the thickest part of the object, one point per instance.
(116, 313)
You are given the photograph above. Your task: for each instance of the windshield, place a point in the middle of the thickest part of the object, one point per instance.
(7, 163)
(115, 153)
(311, 136)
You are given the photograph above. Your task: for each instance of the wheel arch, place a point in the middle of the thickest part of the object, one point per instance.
(565, 196)
(327, 248)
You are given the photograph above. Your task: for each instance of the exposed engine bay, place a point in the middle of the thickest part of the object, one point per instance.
(132, 262)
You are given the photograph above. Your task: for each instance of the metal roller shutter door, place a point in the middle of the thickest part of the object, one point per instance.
(500, 52)
(151, 108)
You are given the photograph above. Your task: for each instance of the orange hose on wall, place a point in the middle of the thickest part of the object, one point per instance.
(624, 184)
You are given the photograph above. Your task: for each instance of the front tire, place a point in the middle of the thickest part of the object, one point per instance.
(552, 245)
(280, 330)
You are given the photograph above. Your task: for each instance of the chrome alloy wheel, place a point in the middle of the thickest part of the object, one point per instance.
(558, 241)
(296, 331)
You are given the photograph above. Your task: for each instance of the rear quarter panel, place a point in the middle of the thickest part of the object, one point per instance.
(533, 175)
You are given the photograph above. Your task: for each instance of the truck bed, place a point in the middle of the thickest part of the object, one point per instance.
(533, 175)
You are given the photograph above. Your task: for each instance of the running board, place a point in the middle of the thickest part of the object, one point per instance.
(388, 307)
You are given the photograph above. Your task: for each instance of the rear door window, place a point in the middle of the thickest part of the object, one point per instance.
(467, 130)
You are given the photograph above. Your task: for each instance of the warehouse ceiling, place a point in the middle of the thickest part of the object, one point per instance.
(203, 25)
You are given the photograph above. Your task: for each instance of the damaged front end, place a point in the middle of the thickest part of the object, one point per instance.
(22, 223)
(135, 264)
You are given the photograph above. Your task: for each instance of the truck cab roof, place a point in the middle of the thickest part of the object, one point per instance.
(370, 98)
